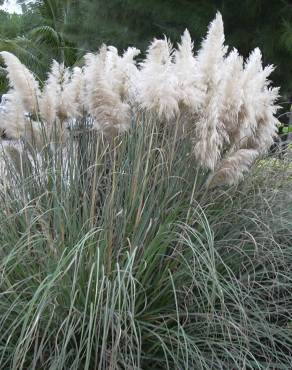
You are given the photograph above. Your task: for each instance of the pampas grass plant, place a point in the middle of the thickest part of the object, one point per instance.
(118, 249)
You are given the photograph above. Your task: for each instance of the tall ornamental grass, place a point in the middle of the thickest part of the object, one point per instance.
(119, 254)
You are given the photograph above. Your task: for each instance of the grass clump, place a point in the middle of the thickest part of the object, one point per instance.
(116, 255)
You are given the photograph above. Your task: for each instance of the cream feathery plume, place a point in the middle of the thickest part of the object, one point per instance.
(12, 118)
(157, 85)
(253, 65)
(22, 81)
(248, 122)
(64, 80)
(209, 129)
(72, 95)
(129, 75)
(231, 169)
(129, 54)
(110, 66)
(121, 72)
(232, 94)
(16, 124)
(265, 110)
(89, 70)
(186, 71)
(210, 56)
(251, 88)
(267, 123)
(50, 95)
(257, 125)
(52, 105)
(111, 115)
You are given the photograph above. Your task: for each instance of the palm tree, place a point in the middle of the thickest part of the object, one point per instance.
(38, 43)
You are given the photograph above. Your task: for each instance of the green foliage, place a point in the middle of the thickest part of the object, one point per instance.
(124, 23)
(13, 28)
(3, 80)
(248, 24)
(65, 30)
(37, 37)
(266, 25)
(115, 255)
(11, 25)
(50, 34)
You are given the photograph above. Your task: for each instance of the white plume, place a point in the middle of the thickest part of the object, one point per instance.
(231, 169)
(22, 81)
(232, 94)
(186, 71)
(121, 72)
(72, 95)
(104, 104)
(209, 128)
(53, 106)
(12, 118)
(157, 85)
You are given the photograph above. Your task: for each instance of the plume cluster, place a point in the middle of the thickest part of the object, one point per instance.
(226, 102)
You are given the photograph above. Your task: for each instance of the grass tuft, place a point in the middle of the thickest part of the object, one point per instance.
(115, 255)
